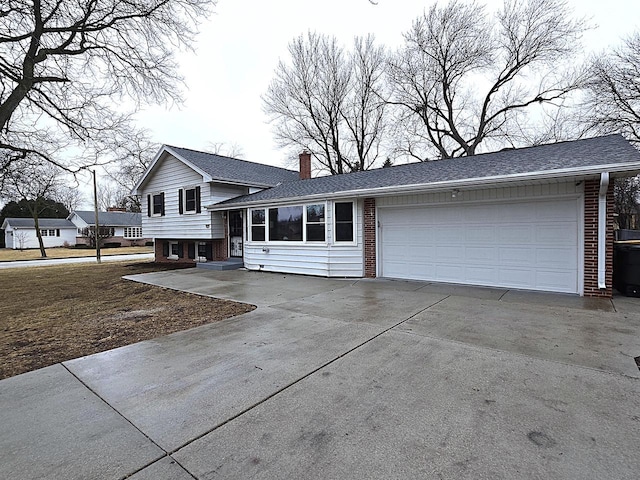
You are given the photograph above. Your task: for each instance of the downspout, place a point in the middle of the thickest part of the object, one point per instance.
(602, 229)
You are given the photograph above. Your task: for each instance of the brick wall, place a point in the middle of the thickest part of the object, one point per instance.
(370, 237)
(591, 194)
(218, 250)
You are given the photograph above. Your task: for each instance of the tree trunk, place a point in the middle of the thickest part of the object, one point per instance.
(43, 252)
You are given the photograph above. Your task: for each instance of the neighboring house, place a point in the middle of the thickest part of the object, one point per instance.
(115, 226)
(176, 186)
(537, 218)
(20, 233)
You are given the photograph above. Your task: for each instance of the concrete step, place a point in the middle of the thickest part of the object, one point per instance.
(230, 264)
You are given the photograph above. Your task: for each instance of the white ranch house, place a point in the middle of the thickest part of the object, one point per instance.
(537, 218)
(20, 233)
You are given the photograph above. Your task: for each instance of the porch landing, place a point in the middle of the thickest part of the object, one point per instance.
(230, 264)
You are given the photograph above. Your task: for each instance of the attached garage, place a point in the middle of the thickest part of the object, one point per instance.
(536, 218)
(533, 244)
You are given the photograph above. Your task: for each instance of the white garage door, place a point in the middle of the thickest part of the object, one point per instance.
(529, 245)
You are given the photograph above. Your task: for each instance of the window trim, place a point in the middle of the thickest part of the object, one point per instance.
(323, 223)
(304, 241)
(182, 200)
(153, 196)
(171, 255)
(135, 230)
(354, 233)
(262, 225)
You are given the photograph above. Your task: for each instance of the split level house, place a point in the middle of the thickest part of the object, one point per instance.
(536, 218)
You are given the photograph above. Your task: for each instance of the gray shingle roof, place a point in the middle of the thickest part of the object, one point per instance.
(111, 219)
(42, 222)
(226, 169)
(579, 154)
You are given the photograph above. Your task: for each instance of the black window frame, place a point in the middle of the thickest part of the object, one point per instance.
(341, 222)
(259, 228)
(157, 205)
(319, 226)
(289, 230)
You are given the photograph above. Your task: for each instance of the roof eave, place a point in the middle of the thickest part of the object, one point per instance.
(582, 172)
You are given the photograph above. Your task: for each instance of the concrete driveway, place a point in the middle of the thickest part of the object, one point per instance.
(344, 379)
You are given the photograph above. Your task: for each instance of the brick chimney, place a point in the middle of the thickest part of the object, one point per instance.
(305, 165)
(116, 209)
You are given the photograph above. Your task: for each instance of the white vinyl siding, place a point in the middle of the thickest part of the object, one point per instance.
(520, 237)
(170, 176)
(30, 239)
(327, 258)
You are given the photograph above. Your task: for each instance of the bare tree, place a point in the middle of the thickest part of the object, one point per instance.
(33, 183)
(20, 236)
(131, 161)
(464, 78)
(612, 105)
(224, 149)
(613, 91)
(70, 196)
(626, 193)
(67, 69)
(330, 102)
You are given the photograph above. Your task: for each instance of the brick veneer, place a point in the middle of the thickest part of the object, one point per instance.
(218, 249)
(370, 237)
(591, 194)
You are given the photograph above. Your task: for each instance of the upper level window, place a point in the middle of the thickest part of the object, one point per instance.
(344, 221)
(285, 224)
(257, 225)
(315, 223)
(189, 200)
(158, 204)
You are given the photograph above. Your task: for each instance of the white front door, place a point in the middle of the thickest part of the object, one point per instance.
(531, 245)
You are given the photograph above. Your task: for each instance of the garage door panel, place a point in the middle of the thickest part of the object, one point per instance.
(530, 245)
(560, 258)
(448, 273)
(481, 255)
(479, 234)
(517, 234)
(557, 281)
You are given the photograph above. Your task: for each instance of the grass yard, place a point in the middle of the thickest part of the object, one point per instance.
(56, 313)
(7, 254)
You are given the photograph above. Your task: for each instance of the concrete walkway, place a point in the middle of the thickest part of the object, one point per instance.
(63, 261)
(343, 379)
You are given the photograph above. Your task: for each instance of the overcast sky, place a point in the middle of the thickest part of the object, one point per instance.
(240, 45)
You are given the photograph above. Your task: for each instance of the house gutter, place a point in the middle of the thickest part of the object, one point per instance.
(602, 229)
(567, 174)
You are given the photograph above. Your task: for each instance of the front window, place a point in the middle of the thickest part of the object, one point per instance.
(132, 232)
(285, 224)
(52, 233)
(344, 221)
(257, 225)
(315, 223)
(44, 233)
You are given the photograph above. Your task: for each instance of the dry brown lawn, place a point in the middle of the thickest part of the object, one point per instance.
(56, 313)
(7, 254)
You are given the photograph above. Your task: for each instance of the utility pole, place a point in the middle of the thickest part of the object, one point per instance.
(96, 231)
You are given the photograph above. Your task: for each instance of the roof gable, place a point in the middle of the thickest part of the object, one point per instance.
(609, 153)
(222, 169)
